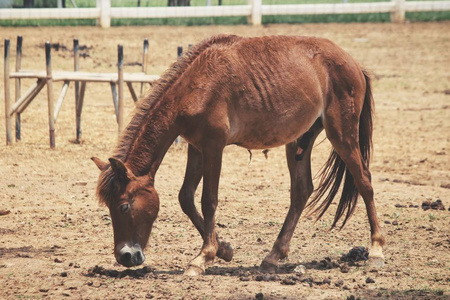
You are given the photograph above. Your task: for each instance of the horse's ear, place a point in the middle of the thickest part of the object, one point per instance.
(120, 169)
(100, 164)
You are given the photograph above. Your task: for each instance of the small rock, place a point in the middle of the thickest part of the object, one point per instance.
(394, 223)
(344, 269)
(259, 296)
(149, 296)
(300, 270)
(288, 281)
(346, 287)
(326, 281)
(339, 283)
(244, 279)
(58, 260)
(43, 290)
(370, 280)
(387, 222)
(400, 205)
(63, 274)
(89, 283)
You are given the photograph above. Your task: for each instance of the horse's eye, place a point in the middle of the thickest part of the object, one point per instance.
(124, 207)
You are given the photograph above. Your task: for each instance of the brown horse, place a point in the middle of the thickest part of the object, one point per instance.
(257, 93)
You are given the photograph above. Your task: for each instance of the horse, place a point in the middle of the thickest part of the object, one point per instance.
(257, 93)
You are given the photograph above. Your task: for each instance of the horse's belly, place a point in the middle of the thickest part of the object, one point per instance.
(270, 130)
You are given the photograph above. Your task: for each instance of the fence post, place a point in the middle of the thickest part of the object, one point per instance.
(51, 110)
(120, 83)
(18, 81)
(255, 18)
(7, 96)
(105, 13)
(398, 15)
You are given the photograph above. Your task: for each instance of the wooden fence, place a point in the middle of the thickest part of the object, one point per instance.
(79, 78)
(254, 10)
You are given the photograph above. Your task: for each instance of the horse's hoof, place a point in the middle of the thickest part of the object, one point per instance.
(194, 271)
(225, 251)
(268, 267)
(376, 262)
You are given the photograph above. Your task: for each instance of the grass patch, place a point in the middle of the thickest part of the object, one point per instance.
(327, 18)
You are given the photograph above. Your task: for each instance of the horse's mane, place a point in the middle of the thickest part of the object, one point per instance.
(106, 189)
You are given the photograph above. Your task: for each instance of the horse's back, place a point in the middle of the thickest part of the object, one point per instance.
(272, 88)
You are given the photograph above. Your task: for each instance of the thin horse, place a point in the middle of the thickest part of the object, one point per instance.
(257, 93)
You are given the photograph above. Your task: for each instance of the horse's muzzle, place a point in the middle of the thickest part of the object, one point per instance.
(130, 256)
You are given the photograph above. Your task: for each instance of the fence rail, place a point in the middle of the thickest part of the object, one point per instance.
(254, 10)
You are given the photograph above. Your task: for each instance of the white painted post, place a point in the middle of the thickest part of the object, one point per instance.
(105, 13)
(255, 18)
(398, 15)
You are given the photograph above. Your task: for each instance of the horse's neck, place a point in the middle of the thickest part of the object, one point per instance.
(152, 138)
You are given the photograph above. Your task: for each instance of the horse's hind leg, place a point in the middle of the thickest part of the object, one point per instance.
(301, 189)
(194, 173)
(342, 131)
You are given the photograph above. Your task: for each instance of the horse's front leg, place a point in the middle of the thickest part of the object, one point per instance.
(212, 163)
(194, 173)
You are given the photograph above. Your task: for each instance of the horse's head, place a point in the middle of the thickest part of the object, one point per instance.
(133, 204)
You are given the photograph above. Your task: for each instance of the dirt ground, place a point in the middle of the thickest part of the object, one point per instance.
(57, 241)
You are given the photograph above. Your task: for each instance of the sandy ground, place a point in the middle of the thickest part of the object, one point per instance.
(56, 233)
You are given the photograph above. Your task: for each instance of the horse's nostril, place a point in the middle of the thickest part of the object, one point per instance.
(125, 259)
(139, 258)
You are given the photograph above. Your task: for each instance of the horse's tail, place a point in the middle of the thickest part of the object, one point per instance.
(334, 169)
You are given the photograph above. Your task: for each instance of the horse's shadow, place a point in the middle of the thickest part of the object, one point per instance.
(239, 271)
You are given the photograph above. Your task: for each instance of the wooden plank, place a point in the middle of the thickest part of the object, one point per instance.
(426, 6)
(51, 120)
(177, 12)
(319, 9)
(132, 92)
(61, 99)
(7, 95)
(49, 13)
(18, 83)
(85, 76)
(34, 92)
